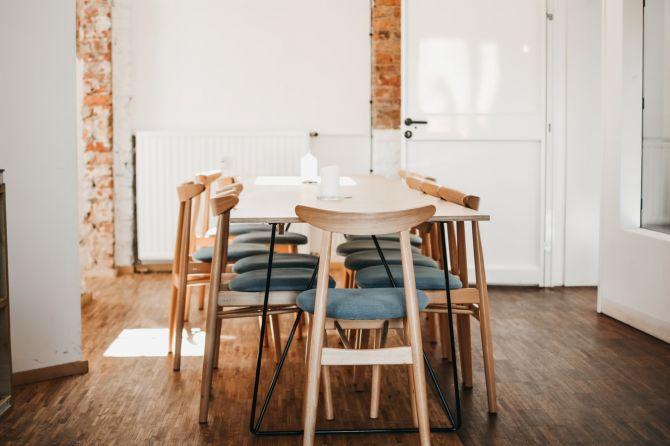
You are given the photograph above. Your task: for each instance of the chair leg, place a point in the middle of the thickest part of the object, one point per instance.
(359, 372)
(465, 348)
(327, 389)
(445, 337)
(413, 337)
(179, 324)
(433, 325)
(276, 336)
(187, 305)
(376, 379)
(201, 297)
(410, 383)
(171, 318)
(217, 342)
(308, 322)
(301, 326)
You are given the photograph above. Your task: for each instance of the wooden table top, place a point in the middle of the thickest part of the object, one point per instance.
(273, 199)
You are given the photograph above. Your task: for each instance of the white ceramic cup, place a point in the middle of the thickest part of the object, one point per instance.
(330, 182)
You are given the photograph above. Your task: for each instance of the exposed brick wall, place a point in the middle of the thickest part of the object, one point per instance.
(386, 64)
(94, 51)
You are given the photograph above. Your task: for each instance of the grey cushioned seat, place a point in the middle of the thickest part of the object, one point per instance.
(235, 252)
(352, 246)
(283, 279)
(278, 261)
(287, 238)
(426, 278)
(241, 228)
(414, 239)
(363, 259)
(362, 304)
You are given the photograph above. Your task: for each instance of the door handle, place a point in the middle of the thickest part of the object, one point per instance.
(410, 121)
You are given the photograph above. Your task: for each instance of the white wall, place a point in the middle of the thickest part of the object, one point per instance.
(38, 149)
(634, 284)
(583, 159)
(225, 65)
(255, 65)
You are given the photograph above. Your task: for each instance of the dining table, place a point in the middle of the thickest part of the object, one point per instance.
(273, 199)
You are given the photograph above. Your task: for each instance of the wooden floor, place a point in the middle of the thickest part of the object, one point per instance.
(565, 376)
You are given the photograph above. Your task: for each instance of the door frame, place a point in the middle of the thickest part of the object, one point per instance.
(552, 146)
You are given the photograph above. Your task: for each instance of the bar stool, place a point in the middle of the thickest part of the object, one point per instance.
(340, 309)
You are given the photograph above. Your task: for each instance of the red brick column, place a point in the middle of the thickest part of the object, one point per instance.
(94, 51)
(386, 64)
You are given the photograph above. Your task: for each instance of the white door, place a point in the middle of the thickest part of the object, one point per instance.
(475, 72)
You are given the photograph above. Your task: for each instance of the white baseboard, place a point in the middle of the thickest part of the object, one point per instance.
(509, 275)
(633, 317)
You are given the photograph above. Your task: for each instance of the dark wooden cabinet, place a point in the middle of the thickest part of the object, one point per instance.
(5, 344)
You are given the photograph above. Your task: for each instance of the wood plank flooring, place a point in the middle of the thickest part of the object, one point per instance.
(565, 376)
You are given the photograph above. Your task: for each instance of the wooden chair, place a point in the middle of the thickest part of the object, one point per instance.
(185, 272)
(399, 306)
(242, 296)
(467, 301)
(190, 270)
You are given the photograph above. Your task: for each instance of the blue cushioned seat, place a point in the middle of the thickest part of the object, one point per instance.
(283, 279)
(287, 238)
(426, 278)
(414, 239)
(362, 304)
(235, 252)
(352, 246)
(363, 259)
(278, 261)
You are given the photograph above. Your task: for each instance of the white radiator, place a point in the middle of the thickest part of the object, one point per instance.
(166, 159)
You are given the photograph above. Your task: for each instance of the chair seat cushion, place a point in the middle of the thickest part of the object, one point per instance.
(414, 239)
(241, 228)
(362, 259)
(235, 252)
(362, 304)
(352, 246)
(278, 261)
(287, 238)
(283, 279)
(426, 278)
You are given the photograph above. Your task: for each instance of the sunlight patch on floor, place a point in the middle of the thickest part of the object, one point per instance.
(153, 342)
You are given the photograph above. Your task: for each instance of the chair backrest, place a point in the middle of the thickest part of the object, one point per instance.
(206, 179)
(358, 223)
(185, 193)
(414, 182)
(221, 206)
(458, 197)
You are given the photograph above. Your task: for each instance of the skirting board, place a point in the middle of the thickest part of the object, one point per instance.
(47, 373)
(636, 319)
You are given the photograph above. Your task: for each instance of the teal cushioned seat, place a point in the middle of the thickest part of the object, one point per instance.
(243, 228)
(278, 261)
(240, 228)
(352, 246)
(287, 238)
(414, 239)
(426, 278)
(283, 279)
(235, 252)
(363, 259)
(362, 304)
